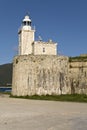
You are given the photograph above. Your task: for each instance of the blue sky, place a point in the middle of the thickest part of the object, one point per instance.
(63, 21)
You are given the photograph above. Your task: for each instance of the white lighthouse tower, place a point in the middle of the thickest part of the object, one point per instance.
(26, 37)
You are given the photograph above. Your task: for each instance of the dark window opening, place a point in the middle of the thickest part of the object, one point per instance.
(24, 23)
(43, 49)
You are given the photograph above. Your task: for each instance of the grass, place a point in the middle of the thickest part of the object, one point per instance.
(68, 97)
(78, 58)
(8, 93)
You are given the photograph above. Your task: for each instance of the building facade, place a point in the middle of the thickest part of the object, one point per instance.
(27, 43)
(26, 37)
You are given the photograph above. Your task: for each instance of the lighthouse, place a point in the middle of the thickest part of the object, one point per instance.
(26, 36)
(27, 43)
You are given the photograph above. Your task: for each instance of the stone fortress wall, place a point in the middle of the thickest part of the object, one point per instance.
(41, 75)
(44, 74)
(78, 75)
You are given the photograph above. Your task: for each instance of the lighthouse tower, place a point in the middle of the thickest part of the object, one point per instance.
(26, 37)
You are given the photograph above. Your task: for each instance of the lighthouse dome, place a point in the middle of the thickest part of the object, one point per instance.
(26, 22)
(26, 18)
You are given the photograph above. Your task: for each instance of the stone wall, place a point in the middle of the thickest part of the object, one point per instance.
(44, 48)
(45, 74)
(40, 74)
(78, 76)
(26, 38)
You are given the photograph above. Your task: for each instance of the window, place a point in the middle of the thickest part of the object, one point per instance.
(43, 49)
(24, 23)
(29, 23)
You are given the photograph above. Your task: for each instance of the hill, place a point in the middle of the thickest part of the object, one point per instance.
(6, 74)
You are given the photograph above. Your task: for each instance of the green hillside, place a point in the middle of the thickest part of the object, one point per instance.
(6, 74)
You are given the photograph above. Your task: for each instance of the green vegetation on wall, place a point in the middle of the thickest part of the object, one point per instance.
(78, 59)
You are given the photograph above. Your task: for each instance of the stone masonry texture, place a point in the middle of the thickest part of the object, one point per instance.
(78, 77)
(41, 75)
(48, 74)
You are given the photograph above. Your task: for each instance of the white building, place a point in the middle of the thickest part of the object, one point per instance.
(27, 43)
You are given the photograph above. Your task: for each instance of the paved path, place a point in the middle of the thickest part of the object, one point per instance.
(23, 114)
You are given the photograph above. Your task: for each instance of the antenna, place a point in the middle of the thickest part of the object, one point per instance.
(34, 27)
(40, 39)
